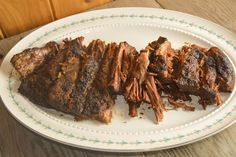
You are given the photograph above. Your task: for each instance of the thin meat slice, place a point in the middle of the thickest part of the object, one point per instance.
(145, 97)
(115, 82)
(133, 92)
(155, 98)
(133, 86)
(90, 66)
(129, 57)
(180, 105)
(105, 67)
(123, 59)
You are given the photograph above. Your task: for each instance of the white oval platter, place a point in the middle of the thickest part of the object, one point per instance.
(137, 26)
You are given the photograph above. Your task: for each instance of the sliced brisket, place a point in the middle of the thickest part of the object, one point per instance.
(85, 80)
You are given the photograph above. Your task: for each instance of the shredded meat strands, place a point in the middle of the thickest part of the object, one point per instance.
(180, 105)
(88, 78)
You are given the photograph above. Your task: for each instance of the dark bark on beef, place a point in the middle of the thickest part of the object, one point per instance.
(30, 59)
(75, 45)
(90, 67)
(172, 90)
(99, 101)
(166, 63)
(198, 75)
(161, 56)
(176, 66)
(153, 46)
(209, 89)
(85, 81)
(50, 86)
(225, 73)
(98, 105)
(193, 70)
(66, 83)
(188, 80)
(202, 69)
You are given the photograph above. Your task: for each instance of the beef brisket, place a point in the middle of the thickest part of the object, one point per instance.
(67, 82)
(191, 70)
(85, 80)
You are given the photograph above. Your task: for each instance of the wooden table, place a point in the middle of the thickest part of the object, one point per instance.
(17, 141)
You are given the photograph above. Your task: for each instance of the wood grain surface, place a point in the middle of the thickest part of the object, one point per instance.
(18, 16)
(222, 12)
(62, 8)
(1, 34)
(17, 141)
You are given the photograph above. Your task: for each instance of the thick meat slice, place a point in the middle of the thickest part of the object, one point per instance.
(28, 60)
(161, 57)
(67, 82)
(202, 72)
(188, 79)
(98, 106)
(98, 101)
(209, 89)
(218, 76)
(52, 82)
(225, 73)
(51, 86)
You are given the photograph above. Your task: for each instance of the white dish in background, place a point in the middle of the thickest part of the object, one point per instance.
(137, 26)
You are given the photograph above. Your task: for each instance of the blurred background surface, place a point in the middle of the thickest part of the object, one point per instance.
(18, 16)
